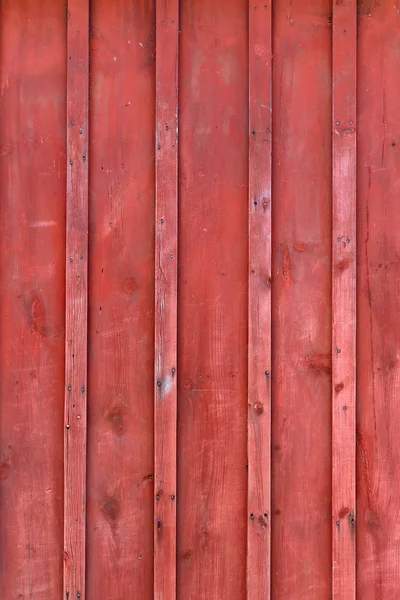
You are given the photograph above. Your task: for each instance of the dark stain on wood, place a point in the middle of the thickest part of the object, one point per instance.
(320, 362)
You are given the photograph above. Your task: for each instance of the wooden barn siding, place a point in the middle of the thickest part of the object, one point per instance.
(203, 402)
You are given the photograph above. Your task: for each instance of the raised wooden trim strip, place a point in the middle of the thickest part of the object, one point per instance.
(259, 308)
(75, 439)
(344, 301)
(166, 246)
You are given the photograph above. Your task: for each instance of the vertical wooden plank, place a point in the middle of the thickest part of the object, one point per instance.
(32, 296)
(120, 463)
(378, 289)
(166, 249)
(259, 309)
(301, 300)
(344, 299)
(213, 290)
(76, 299)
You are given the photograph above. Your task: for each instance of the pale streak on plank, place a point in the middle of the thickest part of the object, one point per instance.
(166, 226)
(344, 301)
(75, 439)
(259, 310)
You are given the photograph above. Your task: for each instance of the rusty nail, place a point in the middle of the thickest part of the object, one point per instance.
(158, 383)
(252, 517)
(338, 350)
(82, 389)
(172, 497)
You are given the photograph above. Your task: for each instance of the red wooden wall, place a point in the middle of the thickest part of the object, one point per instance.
(199, 283)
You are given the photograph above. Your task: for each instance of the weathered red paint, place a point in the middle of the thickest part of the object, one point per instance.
(76, 301)
(344, 300)
(32, 297)
(212, 299)
(378, 222)
(121, 300)
(227, 480)
(166, 308)
(301, 300)
(259, 304)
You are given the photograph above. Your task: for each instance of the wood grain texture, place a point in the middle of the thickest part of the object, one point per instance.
(228, 449)
(378, 285)
(166, 257)
(344, 300)
(213, 284)
(301, 300)
(75, 409)
(259, 309)
(121, 301)
(32, 288)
